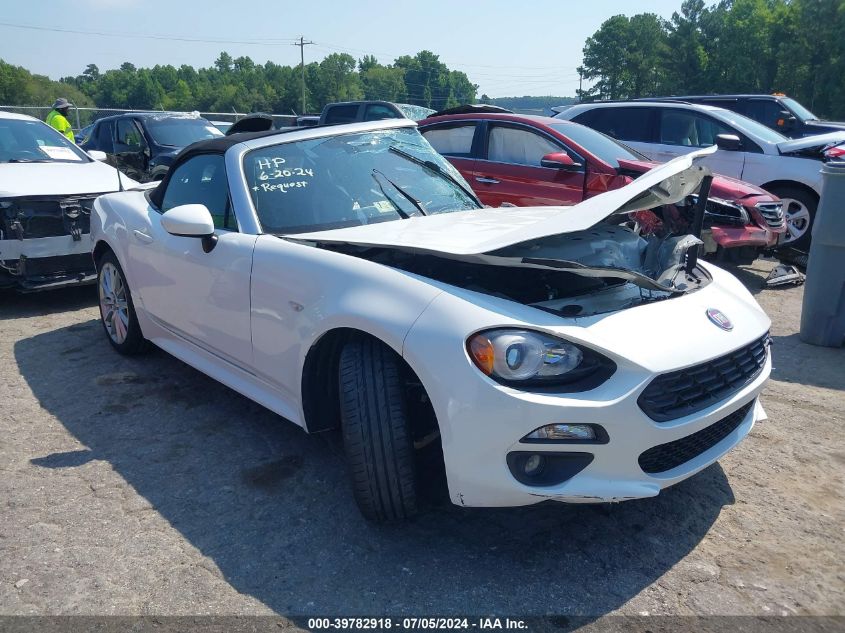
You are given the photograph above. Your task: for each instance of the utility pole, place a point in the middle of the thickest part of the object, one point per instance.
(580, 79)
(302, 44)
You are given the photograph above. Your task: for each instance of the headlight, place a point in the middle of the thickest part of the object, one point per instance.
(524, 358)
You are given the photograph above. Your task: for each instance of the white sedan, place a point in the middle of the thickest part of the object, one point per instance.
(47, 188)
(347, 277)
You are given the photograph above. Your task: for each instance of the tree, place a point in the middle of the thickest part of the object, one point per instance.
(91, 72)
(645, 49)
(811, 54)
(605, 58)
(685, 58)
(384, 82)
(224, 62)
(338, 79)
(736, 32)
(367, 62)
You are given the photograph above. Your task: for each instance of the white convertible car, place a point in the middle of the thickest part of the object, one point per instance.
(347, 277)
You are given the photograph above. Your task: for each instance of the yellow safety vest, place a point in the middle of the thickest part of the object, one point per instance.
(57, 120)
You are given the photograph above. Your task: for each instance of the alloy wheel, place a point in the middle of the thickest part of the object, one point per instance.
(114, 306)
(797, 218)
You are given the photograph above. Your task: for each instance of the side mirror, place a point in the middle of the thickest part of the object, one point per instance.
(191, 220)
(98, 155)
(785, 120)
(728, 142)
(560, 160)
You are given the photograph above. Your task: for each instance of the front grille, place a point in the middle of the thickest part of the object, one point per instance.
(27, 218)
(718, 211)
(43, 267)
(663, 457)
(772, 213)
(686, 391)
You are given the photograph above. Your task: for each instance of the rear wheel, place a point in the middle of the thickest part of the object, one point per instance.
(376, 431)
(117, 312)
(799, 210)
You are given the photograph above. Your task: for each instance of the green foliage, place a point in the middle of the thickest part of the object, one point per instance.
(19, 87)
(241, 85)
(791, 46)
(528, 105)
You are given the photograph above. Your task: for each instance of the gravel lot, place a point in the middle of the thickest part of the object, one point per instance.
(139, 486)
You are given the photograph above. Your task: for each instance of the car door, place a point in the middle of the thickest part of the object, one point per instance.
(455, 141)
(634, 125)
(683, 131)
(510, 171)
(130, 149)
(202, 298)
(101, 139)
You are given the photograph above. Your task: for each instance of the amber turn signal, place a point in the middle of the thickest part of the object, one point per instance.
(481, 351)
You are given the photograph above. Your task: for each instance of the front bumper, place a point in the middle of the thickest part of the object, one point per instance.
(738, 236)
(46, 263)
(482, 422)
(478, 473)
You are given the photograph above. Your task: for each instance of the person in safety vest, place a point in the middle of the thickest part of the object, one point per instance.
(58, 118)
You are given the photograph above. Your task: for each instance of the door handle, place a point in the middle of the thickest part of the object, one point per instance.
(487, 181)
(143, 237)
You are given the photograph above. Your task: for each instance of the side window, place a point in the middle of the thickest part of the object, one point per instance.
(689, 129)
(728, 104)
(103, 134)
(128, 134)
(518, 146)
(451, 140)
(342, 114)
(377, 112)
(624, 124)
(202, 180)
(766, 112)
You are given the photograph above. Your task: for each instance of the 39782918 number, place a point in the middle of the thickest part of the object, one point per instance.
(350, 623)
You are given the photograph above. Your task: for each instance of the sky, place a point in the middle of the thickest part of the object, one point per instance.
(508, 48)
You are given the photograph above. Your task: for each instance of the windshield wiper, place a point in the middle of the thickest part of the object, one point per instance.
(417, 204)
(28, 160)
(432, 166)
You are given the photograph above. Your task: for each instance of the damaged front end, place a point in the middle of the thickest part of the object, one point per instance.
(577, 261)
(41, 241)
(605, 269)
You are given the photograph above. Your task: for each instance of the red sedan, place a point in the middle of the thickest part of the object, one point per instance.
(534, 160)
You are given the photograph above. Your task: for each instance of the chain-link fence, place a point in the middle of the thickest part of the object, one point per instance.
(81, 117)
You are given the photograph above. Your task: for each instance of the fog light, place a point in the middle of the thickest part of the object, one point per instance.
(562, 432)
(534, 465)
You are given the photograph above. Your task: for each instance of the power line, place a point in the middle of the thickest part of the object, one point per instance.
(174, 38)
(342, 49)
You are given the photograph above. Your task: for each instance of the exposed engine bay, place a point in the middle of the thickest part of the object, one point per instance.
(45, 216)
(33, 254)
(604, 269)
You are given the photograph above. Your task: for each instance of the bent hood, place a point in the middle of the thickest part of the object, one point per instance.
(59, 179)
(809, 142)
(723, 186)
(484, 230)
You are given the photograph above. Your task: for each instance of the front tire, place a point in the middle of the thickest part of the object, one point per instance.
(376, 431)
(799, 210)
(117, 312)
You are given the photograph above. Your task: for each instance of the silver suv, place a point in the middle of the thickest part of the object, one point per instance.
(748, 150)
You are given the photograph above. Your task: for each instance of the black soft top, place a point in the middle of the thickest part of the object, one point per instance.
(217, 145)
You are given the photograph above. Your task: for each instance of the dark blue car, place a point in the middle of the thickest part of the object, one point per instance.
(143, 144)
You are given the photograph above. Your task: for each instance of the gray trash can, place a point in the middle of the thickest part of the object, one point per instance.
(823, 312)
